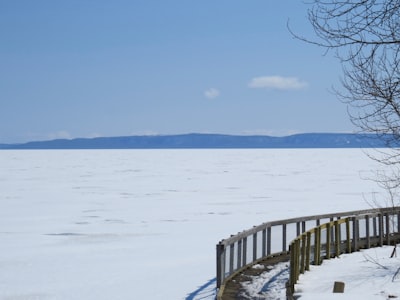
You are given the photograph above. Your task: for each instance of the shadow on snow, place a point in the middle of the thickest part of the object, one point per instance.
(206, 291)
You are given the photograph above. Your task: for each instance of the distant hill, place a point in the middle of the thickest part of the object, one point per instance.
(212, 141)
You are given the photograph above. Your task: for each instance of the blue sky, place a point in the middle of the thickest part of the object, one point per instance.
(130, 67)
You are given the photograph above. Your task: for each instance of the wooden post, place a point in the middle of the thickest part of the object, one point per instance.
(284, 238)
(297, 228)
(328, 241)
(239, 254)
(268, 240)
(231, 258)
(317, 249)
(380, 216)
(303, 253)
(292, 275)
(297, 259)
(220, 264)
(348, 238)
(355, 234)
(367, 231)
(398, 222)
(255, 246)
(308, 254)
(264, 242)
(387, 228)
(244, 260)
(337, 238)
(332, 229)
(338, 287)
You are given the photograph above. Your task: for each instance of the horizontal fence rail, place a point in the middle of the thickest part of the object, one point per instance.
(339, 233)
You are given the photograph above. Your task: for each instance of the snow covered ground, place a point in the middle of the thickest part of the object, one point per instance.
(271, 284)
(369, 274)
(143, 224)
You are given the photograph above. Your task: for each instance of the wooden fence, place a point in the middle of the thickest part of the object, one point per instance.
(309, 239)
(346, 235)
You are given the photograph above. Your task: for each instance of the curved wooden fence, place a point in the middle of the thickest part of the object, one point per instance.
(309, 240)
(347, 235)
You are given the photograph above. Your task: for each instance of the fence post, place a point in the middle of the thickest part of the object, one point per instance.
(220, 264)
(303, 253)
(380, 216)
(244, 260)
(355, 234)
(292, 279)
(297, 258)
(254, 246)
(239, 254)
(328, 241)
(337, 238)
(398, 222)
(268, 240)
(317, 246)
(348, 239)
(231, 258)
(387, 228)
(297, 228)
(308, 251)
(284, 238)
(367, 231)
(264, 242)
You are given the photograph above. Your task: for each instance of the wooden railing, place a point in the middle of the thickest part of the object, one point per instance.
(347, 235)
(270, 239)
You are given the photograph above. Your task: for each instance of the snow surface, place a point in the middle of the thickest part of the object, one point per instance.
(143, 224)
(270, 285)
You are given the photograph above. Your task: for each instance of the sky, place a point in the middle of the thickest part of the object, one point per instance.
(95, 68)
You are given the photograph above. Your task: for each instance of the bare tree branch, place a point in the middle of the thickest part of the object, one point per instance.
(365, 37)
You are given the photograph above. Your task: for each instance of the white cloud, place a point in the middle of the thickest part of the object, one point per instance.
(277, 82)
(211, 93)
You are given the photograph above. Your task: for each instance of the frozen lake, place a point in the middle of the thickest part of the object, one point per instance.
(143, 224)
